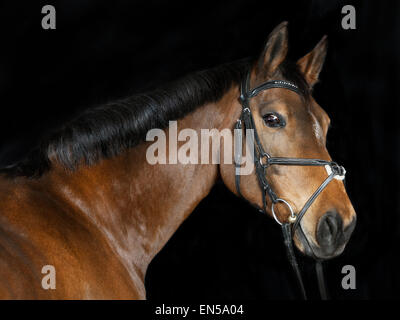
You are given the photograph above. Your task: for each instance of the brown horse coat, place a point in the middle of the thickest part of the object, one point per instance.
(101, 224)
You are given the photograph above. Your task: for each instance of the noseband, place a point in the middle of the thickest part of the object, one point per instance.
(263, 160)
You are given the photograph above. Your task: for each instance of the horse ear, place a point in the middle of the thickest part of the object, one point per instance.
(311, 64)
(275, 51)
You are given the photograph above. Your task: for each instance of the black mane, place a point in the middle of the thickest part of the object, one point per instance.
(108, 130)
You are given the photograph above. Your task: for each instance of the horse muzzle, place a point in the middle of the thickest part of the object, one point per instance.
(331, 237)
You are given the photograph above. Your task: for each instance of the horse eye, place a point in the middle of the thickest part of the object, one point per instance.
(273, 120)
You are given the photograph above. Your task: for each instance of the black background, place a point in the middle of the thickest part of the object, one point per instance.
(103, 50)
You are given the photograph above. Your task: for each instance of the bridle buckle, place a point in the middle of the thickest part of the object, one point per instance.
(242, 98)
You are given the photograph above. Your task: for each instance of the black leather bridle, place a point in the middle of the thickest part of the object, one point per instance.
(263, 160)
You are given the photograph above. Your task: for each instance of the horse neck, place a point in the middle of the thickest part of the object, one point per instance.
(138, 206)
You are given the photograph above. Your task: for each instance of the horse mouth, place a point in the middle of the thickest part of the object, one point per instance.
(308, 248)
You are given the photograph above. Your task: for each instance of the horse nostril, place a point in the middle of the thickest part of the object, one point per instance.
(329, 229)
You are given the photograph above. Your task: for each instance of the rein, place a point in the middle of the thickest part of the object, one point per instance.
(263, 160)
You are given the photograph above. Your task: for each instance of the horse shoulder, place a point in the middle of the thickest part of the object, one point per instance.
(38, 231)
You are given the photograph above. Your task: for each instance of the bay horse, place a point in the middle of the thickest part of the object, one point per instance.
(88, 203)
